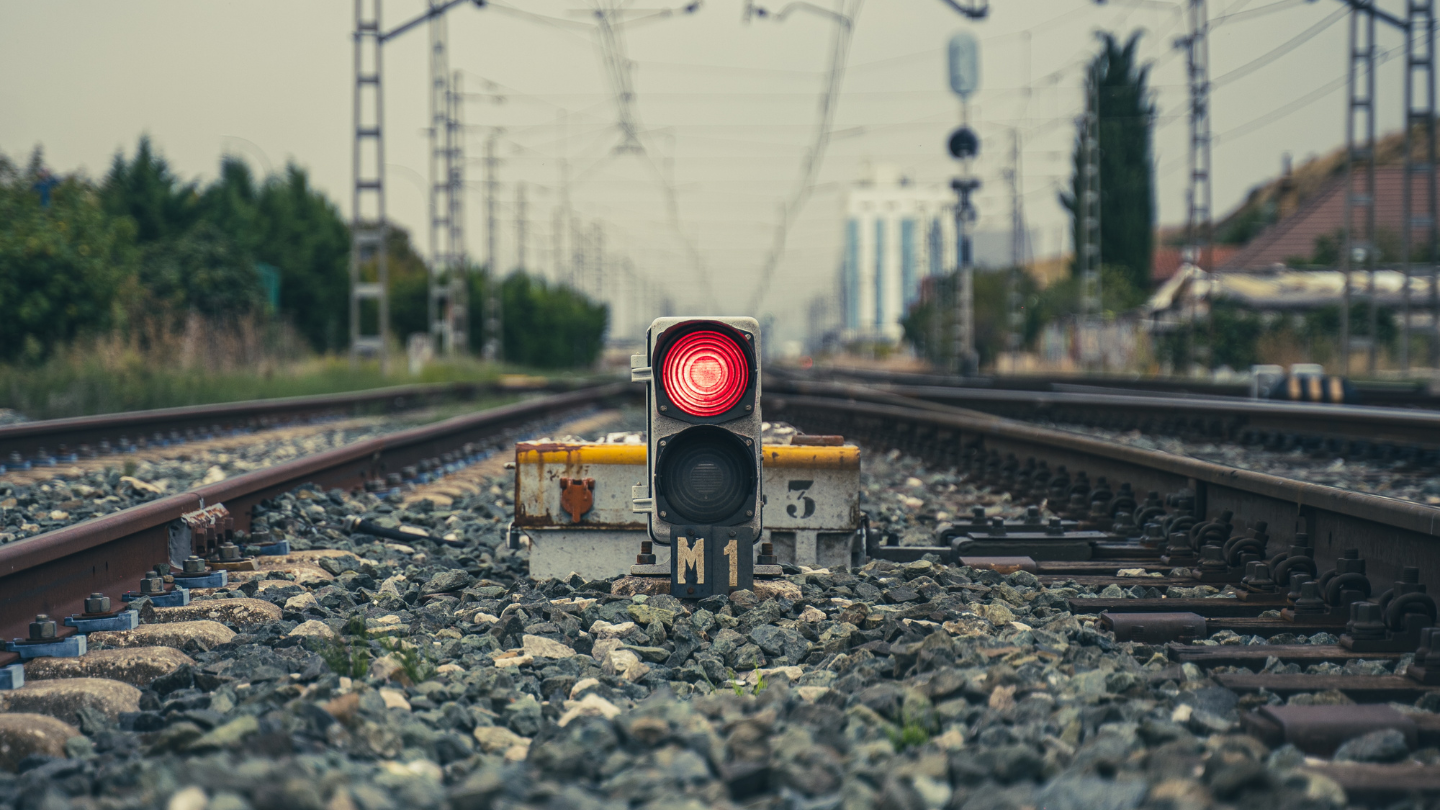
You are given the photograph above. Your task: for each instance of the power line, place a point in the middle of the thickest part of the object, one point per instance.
(1280, 50)
(840, 49)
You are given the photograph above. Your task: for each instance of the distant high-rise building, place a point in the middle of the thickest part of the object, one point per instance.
(896, 233)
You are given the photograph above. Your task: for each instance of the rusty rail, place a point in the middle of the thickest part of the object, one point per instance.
(28, 438)
(1284, 424)
(53, 572)
(1389, 533)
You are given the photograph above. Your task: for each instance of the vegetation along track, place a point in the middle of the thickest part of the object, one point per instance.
(52, 573)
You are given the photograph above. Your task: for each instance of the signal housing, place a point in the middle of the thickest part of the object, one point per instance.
(703, 430)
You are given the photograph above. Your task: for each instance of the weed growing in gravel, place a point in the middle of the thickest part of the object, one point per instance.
(416, 667)
(356, 627)
(348, 656)
(343, 659)
(912, 733)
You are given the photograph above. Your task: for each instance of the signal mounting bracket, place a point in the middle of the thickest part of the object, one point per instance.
(639, 372)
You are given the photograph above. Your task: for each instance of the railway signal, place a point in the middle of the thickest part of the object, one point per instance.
(703, 494)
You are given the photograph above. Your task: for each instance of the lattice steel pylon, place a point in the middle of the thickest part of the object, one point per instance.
(1089, 247)
(1014, 320)
(440, 189)
(457, 262)
(1198, 223)
(1360, 108)
(494, 348)
(368, 227)
(1420, 66)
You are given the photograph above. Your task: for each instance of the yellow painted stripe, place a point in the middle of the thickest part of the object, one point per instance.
(580, 453)
(777, 455)
(833, 458)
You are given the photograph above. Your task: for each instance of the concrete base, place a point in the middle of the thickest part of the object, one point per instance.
(595, 554)
(605, 553)
(814, 549)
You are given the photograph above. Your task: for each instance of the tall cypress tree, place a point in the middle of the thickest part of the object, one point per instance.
(1127, 168)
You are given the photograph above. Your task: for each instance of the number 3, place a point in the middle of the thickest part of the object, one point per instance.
(808, 507)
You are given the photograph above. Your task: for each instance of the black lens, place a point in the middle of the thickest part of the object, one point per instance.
(706, 475)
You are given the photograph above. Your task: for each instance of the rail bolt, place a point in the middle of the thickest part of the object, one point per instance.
(194, 565)
(97, 603)
(1429, 653)
(42, 628)
(1367, 620)
(767, 554)
(152, 585)
(1212, 558)
(647, 553)
(1310, 601)
(229, 552)
(1297, 584)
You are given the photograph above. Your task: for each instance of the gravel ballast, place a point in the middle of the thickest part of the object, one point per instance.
(422, 675)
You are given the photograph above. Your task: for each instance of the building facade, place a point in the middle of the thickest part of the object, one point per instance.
(896, 233)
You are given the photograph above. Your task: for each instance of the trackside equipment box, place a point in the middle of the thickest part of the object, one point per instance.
(573, 500)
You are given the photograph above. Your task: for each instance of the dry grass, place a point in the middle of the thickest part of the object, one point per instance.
(160, 362)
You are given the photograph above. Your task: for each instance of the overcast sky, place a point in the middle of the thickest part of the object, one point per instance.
(729, 107)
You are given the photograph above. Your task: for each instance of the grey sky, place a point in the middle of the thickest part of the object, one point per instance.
(732, 105)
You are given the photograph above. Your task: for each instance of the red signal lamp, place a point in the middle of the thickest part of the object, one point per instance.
(706, 372)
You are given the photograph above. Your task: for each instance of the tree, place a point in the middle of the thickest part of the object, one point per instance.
(65, 270)
(301, 232)
(1127, 169)
(202, 271)
(544, 326)
(149, 194)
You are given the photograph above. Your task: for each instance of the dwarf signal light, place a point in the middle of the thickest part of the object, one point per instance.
(703, 422)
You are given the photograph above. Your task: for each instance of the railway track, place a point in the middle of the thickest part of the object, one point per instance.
(52, 573)
(1391, 532)
(1010, 645)
(1406, 434)
(45, 443)
(1370, 392)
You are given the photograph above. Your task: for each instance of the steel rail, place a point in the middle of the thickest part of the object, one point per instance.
(1170, 414)
(1371, 392)
(53, 572)
(27, 438)
(1389, 533)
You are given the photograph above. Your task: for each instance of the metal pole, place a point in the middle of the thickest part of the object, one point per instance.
(1406, 214)
(1017, 251)
(1090, 258)
(1198, 191)
(457, 262)
(1372, 249)
(368, 237)
(439, 164)
(1345, 261)
(520, 226)
(492, 298)
(1429, 177)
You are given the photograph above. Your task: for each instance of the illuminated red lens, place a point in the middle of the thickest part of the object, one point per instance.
(705, 373)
